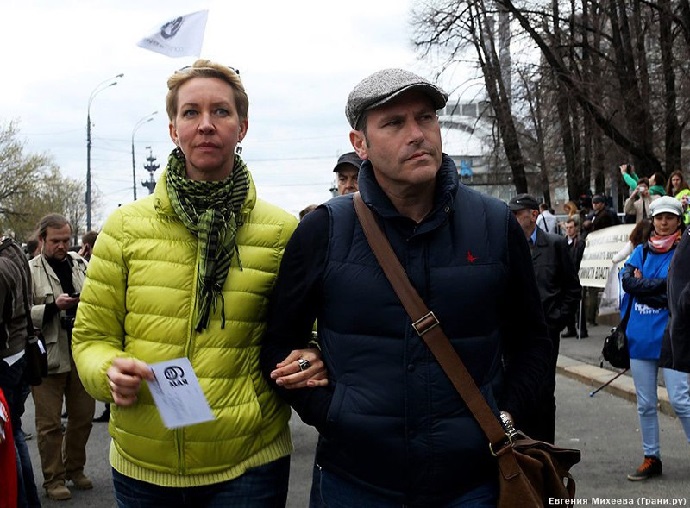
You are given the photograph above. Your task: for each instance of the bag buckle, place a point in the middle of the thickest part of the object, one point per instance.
(502, 445)
(425, 323)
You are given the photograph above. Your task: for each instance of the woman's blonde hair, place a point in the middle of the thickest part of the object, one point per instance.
(206, 69)
(570, 208)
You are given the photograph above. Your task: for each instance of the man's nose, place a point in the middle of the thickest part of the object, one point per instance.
(415, 132)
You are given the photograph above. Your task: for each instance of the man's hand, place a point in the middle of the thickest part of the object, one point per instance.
(125, 375)
(65, 301)
(290, 374)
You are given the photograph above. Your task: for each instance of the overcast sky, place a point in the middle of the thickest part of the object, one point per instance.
(298, 61)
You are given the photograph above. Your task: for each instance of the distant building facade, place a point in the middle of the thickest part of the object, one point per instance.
(467, 129)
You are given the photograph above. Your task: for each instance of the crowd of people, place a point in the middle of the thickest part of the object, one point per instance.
(205, 271)
(654, 287)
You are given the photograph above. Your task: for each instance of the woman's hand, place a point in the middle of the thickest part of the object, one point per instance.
(302, 368)
(637, 273)
(124, 376)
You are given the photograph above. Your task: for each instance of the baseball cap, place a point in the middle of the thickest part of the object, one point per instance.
(665, 204)
(598, 198)
(383, 86)
(523, 202)
(348, 158)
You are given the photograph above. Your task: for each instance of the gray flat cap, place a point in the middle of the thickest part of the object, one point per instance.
(385, 85)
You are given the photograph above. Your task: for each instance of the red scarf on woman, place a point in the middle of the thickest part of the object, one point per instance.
(663, 244)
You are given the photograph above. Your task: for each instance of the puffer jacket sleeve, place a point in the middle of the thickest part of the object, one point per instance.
(98, 334)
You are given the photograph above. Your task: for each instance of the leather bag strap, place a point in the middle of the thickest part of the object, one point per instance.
(428, 327)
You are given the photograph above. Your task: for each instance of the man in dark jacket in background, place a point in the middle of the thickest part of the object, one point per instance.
(347, 171)
(576, 249)
(392, 427)
(675, 347)
(15, 323)
(600, 217)
(559, 288)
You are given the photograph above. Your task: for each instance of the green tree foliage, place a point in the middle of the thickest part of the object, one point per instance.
(32, 186)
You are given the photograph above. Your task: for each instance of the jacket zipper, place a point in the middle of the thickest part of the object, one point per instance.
(188, 351)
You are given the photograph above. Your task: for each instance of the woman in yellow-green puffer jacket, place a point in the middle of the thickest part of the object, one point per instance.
(186, 273)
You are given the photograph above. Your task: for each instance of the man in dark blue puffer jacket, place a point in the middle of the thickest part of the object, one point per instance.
(393, 430)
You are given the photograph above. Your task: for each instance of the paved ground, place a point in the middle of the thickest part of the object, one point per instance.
(581, 359)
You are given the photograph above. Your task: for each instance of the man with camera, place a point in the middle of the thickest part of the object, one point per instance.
(58, 276)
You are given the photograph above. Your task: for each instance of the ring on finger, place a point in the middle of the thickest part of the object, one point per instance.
(303, 364)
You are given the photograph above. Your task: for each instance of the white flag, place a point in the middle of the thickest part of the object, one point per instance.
(181, 36)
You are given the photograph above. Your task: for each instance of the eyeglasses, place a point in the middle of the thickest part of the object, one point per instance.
(236, 71)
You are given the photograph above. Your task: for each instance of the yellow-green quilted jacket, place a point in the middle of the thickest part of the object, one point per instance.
(139, 300)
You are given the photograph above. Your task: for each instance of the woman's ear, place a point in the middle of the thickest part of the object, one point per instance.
(244, 126)
(173, 134)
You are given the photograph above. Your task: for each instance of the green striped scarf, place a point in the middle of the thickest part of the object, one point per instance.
(210, 211)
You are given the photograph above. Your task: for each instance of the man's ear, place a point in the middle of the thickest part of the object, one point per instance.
(359, 143)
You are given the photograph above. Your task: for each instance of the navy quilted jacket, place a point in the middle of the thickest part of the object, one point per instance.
(390, 419)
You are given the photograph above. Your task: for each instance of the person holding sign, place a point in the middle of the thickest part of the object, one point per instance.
(183, 276)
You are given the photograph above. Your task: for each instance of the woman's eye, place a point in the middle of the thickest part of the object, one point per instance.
(222, 112)
(188, 113)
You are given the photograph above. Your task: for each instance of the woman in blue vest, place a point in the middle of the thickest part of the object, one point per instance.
(644, 280)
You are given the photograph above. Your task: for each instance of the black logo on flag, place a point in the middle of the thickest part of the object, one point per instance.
(170, 29)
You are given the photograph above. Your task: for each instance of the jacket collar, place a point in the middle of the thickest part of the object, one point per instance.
(446, 187)
(542, 241)
(540, 244)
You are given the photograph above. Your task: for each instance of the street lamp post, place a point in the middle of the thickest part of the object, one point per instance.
(141, 122)
(99, 88)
